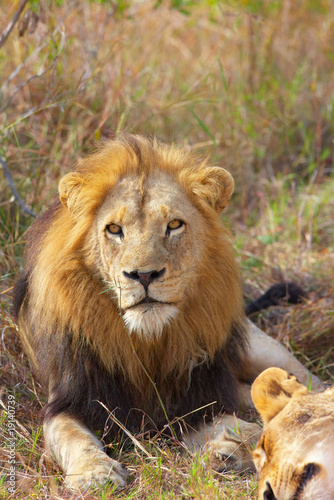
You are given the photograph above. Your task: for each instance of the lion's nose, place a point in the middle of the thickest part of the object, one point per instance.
(268, 494)
(146, 278)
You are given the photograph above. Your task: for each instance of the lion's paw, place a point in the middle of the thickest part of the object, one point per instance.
(101, 470)
(230, 451)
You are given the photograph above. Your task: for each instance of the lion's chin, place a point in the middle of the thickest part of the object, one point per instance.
(149, 319)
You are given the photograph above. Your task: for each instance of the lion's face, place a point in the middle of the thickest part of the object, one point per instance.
(295, 454)
(137, 242)
(144, 231)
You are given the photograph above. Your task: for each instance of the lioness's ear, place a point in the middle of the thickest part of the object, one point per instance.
(272, 390)
(69, 187)
(213, 185)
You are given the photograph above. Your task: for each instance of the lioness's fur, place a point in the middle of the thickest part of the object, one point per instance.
(295, 455)
(131, 278)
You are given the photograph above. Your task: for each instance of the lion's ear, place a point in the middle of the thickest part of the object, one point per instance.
(69, 188)
(212, 186)
(272, 390)
(216, 187)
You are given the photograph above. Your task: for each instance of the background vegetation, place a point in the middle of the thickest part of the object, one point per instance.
(249, 82)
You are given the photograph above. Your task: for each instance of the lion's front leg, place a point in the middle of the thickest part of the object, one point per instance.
(80, 454)
(229, 441)
(265, 352)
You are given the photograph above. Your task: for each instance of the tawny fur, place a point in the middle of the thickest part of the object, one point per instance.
(98, 337)
(71, 297)
(295, 454)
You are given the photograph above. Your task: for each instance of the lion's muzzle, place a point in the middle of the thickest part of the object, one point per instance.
(145, 278)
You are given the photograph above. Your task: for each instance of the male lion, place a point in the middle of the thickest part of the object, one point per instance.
(295, 455)
(131, 303)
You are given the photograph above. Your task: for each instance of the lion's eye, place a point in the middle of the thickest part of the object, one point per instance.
(114, 229)
(174, 224)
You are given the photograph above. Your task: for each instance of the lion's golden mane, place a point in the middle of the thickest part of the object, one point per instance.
(73, 331)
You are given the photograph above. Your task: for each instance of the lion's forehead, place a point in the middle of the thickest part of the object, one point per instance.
(301, 422)
(301, 431)
(151, 201)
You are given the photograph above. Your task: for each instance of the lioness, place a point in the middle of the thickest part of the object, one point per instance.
(295, 455)
(130, 308)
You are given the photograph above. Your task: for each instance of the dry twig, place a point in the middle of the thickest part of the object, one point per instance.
(7, 31)
(18, 198)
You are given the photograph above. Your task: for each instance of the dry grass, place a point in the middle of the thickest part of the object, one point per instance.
(250, 83)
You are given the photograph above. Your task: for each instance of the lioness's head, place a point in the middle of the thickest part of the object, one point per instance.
(295, 454)
(149, 219)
